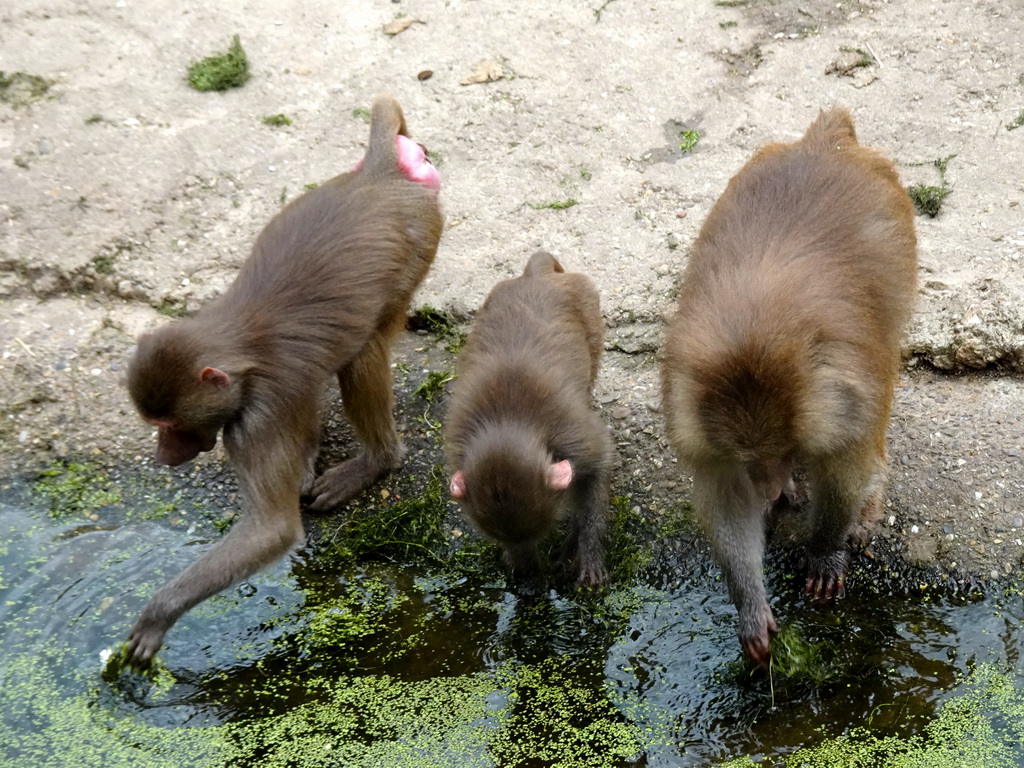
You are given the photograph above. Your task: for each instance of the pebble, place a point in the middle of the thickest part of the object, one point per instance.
(1018, 521)
(620, 413)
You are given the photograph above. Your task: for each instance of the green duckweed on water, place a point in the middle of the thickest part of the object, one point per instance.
(75, 490)
(522, 714)
(981, 727)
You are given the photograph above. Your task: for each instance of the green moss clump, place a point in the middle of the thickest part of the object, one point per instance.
(278, 120)
(20, 89)
(555, 205)
(689, 140)
(440, 324)
(220, 72)
(93, 119)
(433, 385)
(361, 113)
(626, 556)
(928, 199)
(171, 308)
(103, 263)
(1016, 123)
(404, 531)
(795, 658)
(75, 490)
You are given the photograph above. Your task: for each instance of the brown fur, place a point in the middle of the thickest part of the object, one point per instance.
(324, 291)
(785, 350)
(521, 404)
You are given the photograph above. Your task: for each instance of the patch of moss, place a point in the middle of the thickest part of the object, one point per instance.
(795, 658)
(688, 141)
(21, 89)
(221, 71)
(75, 490)
(626, 555)
(928, 199)
(278, 120)
(1016, 123)
(171, 308)
(728, 24)
(402, 530)
(555, 205)
(310, 185)
(361, 113)
(93, 119)
(103, 263)
(439, 323)
(433, 385)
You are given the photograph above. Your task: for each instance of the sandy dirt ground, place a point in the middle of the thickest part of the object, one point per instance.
(127, 196)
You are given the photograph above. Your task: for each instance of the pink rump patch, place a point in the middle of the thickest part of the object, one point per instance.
(414, 164)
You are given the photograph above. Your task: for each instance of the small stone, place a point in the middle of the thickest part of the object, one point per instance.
(1018, 521)
(620, 413)
(426, 74)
